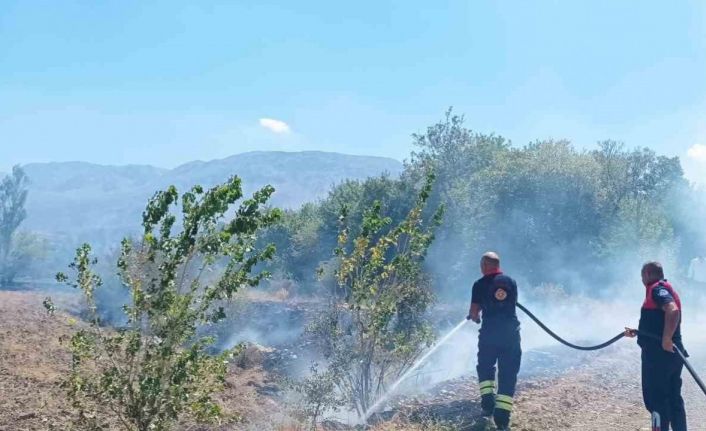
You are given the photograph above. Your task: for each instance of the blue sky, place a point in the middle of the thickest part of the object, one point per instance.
(165, 82)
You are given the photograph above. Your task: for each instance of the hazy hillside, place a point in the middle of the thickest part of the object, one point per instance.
(82, 201)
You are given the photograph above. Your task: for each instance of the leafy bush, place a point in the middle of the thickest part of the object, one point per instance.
(318, 395)
(378, 327)
(156, 369)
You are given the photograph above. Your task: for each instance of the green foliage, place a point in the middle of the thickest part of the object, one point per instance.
(155, 370)
(298, 241)
(543, 206)
(465, 163)
(16, 250)
(13, 195)
(376, 329)
(317, 395)
(49, 305)
(641, 227)
(305, 237)
(636, 196)
(545, 201)
(26, 250)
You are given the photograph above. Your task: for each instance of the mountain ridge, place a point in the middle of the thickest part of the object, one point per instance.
(83, 201)
(201, 161)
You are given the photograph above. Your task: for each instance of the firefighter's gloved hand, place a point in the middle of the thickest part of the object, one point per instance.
(471, 318)
(630, 333)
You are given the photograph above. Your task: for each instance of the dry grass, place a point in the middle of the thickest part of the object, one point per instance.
(33, 361)
(602, 394)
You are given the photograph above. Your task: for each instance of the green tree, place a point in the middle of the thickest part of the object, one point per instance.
(553, 211)
(466, 164)
(546, 211)
(306, 237)
(638, 202)
(545, 205)
(13, 250)
(641, 231)
(635, 174)
(26, 250)
(375, 331)
(298, 242)
(156, 369)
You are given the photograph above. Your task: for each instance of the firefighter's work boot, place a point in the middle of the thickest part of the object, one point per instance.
(502, 419)
(487, 404)
(487, 397)
(503, 409)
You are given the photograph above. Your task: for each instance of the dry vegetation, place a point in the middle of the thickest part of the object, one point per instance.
(601, 393)
(33, 361)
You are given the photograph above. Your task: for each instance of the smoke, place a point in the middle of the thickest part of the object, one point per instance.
(585, 299)
(579, 318)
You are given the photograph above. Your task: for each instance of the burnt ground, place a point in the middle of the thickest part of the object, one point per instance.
(587, 391)
(602, 392)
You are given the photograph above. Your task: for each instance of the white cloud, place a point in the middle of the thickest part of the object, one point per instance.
(275, 126)
(697, 152)
(695, 164)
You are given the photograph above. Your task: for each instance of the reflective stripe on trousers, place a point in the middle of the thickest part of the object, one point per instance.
(487, 387)
(503, 402)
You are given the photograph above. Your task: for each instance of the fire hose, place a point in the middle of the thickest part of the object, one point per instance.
(681, 354)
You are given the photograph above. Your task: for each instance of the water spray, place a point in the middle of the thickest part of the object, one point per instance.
(453, 331)
(413, 368)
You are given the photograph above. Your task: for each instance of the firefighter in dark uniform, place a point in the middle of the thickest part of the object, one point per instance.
(661, 366)
(493, 300)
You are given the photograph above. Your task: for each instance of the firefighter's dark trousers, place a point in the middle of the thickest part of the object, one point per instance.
(661, 387)
(507, 354)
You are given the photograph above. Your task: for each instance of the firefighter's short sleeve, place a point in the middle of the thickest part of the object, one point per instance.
(661, 296)
(476, 294)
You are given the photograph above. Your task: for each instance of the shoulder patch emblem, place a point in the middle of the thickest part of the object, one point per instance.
(662, 292)
(500, 294)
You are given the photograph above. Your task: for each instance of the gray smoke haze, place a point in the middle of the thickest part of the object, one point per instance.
(584, 304)
(581, 301)
(579, 308)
